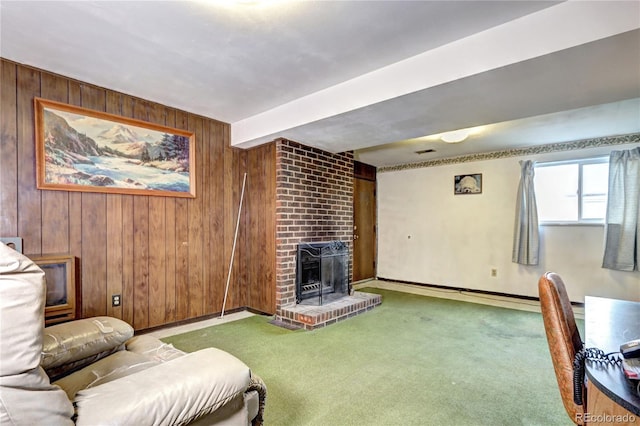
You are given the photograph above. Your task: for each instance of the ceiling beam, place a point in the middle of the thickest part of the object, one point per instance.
(556, 28)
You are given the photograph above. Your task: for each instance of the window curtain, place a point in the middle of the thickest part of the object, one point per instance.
(622, 235)
(526, 239)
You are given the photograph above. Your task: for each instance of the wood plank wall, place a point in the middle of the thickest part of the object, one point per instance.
(261, 227)
(168, 257)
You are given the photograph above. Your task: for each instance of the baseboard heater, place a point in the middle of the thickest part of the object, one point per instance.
(470, 290)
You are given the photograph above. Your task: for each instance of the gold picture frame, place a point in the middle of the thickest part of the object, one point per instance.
(79, 149)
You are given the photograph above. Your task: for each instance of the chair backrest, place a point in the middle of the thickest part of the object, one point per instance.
(26, 396)
(563, 338)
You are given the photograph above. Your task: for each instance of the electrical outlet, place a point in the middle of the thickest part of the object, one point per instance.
(115, 300)
(494, 272)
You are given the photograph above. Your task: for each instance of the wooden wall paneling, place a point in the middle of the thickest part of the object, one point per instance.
(170, 261)
(75, 214)
(157, 250)
(250, 220)
(239, 271)
(114, 253)
(141, 262)
(251, 212)
(157, 241)
(141, 242)
(94, 259)
(204, 192)
(205, 225)
(261, 228)
(217, 265)
(8, 151)
(94, 226)
(364, 171)
(196, 266)
(237, 274)
(167, 257)
(55, 204)
(262, 284)
(123, 105)
(246, 276)
(268, 293)
(272, 233)
(182, 243)
(93, 97)
(230, 210)
(254, 220)
(128, 258)
(29, 198)
(182, 259)
(115, 228)
(170, 242)
(162, 115)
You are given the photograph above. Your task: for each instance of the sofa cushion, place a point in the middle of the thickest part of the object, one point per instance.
(153, 348)
(26, 397)
(23, 293)
(74, 341)
(175, 392)
(115, 366)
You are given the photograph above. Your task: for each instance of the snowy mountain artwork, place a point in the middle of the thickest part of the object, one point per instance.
(84, 150)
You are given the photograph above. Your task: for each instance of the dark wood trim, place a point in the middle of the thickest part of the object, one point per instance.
(188, 321)
(364, 171)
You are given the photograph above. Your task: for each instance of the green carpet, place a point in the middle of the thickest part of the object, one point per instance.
(413, 360)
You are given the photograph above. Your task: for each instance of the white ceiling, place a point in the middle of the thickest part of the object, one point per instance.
(354, 75)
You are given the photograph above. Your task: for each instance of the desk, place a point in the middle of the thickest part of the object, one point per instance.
(608, 323)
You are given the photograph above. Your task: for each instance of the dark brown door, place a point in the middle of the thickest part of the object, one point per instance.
(364, 229)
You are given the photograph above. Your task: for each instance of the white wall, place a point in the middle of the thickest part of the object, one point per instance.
(428, 235)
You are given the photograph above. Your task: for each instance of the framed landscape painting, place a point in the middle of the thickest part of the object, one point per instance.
(78, 149)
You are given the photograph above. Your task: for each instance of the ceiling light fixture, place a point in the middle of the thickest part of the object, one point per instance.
(455, 136)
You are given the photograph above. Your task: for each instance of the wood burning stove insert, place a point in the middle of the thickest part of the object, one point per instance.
(322, 272)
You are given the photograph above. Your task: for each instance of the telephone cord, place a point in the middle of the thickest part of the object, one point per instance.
(589, 354)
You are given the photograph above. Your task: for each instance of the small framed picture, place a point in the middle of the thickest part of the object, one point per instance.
(467, 184)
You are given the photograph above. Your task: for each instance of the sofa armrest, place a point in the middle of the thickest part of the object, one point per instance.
(73, 341)
(153, 348)
(175, 392)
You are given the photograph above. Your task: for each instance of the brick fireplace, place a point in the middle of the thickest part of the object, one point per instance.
(314, 203)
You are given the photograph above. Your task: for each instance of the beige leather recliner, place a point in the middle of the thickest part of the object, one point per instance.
(94, 371)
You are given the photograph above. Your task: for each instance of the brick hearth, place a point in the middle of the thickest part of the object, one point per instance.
(312, 317)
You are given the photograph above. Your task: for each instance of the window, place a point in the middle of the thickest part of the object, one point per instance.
(572, 191)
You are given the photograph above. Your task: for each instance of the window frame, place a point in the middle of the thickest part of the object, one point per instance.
(580, 162)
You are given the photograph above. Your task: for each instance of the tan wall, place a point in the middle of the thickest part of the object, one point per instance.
(428, 235)
(168, 257)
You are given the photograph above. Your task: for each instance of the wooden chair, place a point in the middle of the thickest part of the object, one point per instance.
(563, 338)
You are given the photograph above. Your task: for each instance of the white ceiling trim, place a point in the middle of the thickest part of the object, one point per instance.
(560, 27)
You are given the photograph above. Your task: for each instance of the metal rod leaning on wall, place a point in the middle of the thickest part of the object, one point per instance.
(233, 249)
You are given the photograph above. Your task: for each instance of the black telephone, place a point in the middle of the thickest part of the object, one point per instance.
(630, 349)
(630, 363)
